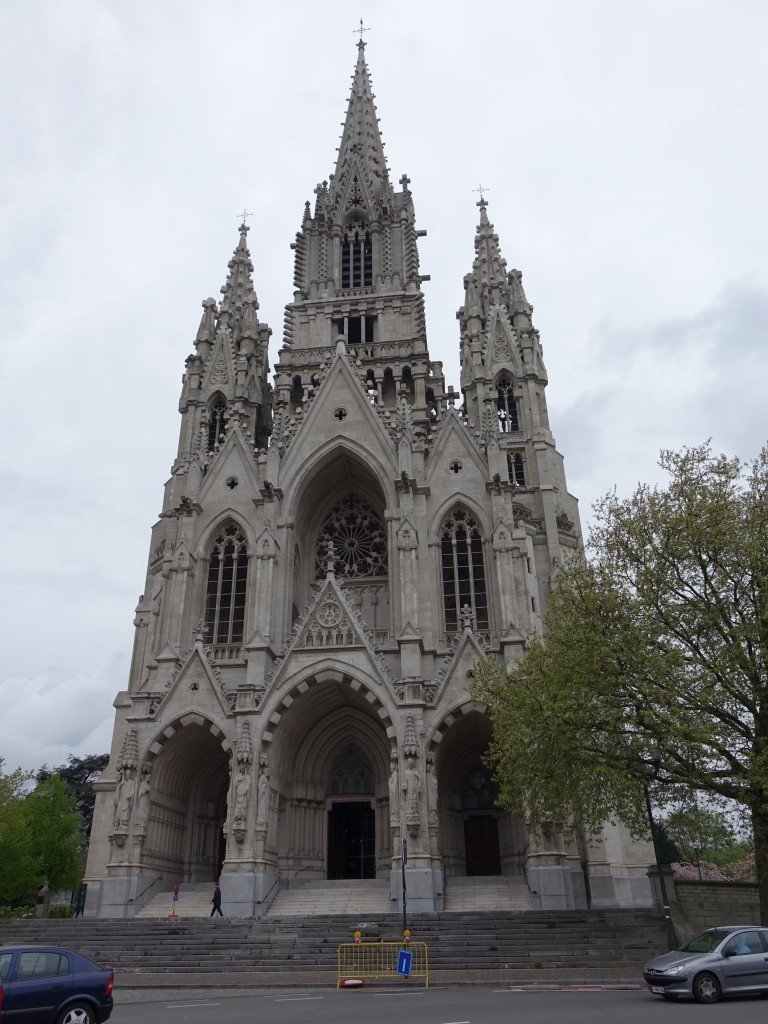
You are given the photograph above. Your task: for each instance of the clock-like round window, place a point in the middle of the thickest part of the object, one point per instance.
(358, 537)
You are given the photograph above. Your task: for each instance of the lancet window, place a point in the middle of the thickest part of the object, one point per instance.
(217, 422)
(356, 259)
(478, 793)
(359, 541)
(506, 405)
(227, 587)
(516, 467)
(463, 571)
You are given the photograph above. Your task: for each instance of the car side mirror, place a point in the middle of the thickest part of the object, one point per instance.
(729, 952)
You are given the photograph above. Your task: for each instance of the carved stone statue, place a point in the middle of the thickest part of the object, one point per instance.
(431, 792)
(262, 806)
(242, 790)
(394, 793)
(411, 786)
(142, 803)
(124, 794)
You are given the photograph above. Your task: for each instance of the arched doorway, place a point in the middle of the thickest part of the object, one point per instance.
(188, 809)
(477, 837)
(331, 759)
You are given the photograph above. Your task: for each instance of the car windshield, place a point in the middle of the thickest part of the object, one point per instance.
(705, 942)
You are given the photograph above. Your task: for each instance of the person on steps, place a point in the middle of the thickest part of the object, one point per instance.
(216, 901)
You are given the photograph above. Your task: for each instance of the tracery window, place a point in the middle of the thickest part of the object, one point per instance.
(506, 405)
(227, 587)
(359, 540)
(217, 422)
(356, 259)
(352, 777)
(463, 570)
(478, 793)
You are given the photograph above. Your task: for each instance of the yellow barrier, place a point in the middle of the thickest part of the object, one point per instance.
(379, 960)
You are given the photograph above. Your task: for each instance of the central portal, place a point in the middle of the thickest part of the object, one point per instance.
(351, 840)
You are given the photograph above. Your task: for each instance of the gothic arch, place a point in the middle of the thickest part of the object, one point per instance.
(210, 530)
(313, 472)
(308, 726)
(187, 765)
(447, 507)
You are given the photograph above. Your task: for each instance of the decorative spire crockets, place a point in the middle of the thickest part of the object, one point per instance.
(496, 325)
(361, 170)
(238, 288)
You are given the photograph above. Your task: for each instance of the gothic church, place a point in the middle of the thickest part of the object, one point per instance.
(338, 545)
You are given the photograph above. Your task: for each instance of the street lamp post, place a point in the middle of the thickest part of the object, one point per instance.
(671, 937)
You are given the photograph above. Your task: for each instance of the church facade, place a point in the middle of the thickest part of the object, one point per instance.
(339, 542)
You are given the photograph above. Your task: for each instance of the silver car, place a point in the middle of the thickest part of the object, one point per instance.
(720, 961)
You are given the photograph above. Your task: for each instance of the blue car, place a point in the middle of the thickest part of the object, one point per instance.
(50, 985)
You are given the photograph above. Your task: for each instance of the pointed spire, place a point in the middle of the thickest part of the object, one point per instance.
(207, 329)
(239, 284)
(361, 153)
(489, 267)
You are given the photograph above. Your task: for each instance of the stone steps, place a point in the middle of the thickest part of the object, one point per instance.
(457, 941)
(491, 892)
(363, 896)
(194, 901)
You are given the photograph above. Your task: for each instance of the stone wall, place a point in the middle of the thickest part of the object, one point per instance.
(698, 905)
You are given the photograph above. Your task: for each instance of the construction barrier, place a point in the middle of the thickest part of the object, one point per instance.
(366, 960)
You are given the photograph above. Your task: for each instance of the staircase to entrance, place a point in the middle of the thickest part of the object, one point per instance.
(486, 893)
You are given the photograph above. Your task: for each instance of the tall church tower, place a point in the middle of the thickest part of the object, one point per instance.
(335, 551)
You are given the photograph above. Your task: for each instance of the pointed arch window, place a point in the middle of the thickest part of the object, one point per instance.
(227, 587)
(506, 405)
(356, 259)
(352, 776)
(463, 570)
(217, 422)
(516, 467)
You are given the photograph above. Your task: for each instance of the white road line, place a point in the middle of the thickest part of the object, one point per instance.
(398, 993)
(186, 1006)
(297, 999)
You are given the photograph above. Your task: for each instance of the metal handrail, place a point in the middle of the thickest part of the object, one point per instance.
(266, 894)
(139, 895)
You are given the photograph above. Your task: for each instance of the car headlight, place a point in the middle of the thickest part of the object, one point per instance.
(675, 969)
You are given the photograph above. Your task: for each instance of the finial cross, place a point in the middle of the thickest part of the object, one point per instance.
(361, 30)
(481, 189)
(244, 216)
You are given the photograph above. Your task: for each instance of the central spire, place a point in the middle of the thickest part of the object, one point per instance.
(361, 153)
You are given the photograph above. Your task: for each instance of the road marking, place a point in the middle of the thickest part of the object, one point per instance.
(398, 993)
(296, 999)
(186, 1006)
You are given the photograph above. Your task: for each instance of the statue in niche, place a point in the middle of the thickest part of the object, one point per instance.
(431, 792)
(411, 786)
(242, 790)
(124, 794)
(262, 806)
(394, 793)
(142, 803)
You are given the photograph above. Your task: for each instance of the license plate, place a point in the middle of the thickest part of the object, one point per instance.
(657, 990)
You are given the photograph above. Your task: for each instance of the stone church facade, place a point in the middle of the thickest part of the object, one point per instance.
(337, 546)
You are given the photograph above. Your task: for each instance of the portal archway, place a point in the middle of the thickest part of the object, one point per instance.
(478, 838)
(330, 763)
(188, 807)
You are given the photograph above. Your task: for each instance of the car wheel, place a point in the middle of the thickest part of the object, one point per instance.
(706, 988)
(77, 1013)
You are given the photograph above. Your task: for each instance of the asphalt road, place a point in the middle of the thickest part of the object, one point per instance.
(440, 1006)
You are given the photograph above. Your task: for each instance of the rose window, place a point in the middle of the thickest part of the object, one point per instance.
(359, 541)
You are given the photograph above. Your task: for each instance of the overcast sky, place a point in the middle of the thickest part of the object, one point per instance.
(624, 146)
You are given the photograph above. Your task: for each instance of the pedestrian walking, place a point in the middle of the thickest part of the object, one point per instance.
(216, 901)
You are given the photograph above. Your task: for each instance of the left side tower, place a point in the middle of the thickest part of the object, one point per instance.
(160, 815)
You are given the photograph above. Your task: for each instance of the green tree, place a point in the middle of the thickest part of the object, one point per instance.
(15, 854)
(699, 832)
(652, 668)
(52, 825)
(79, 773)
